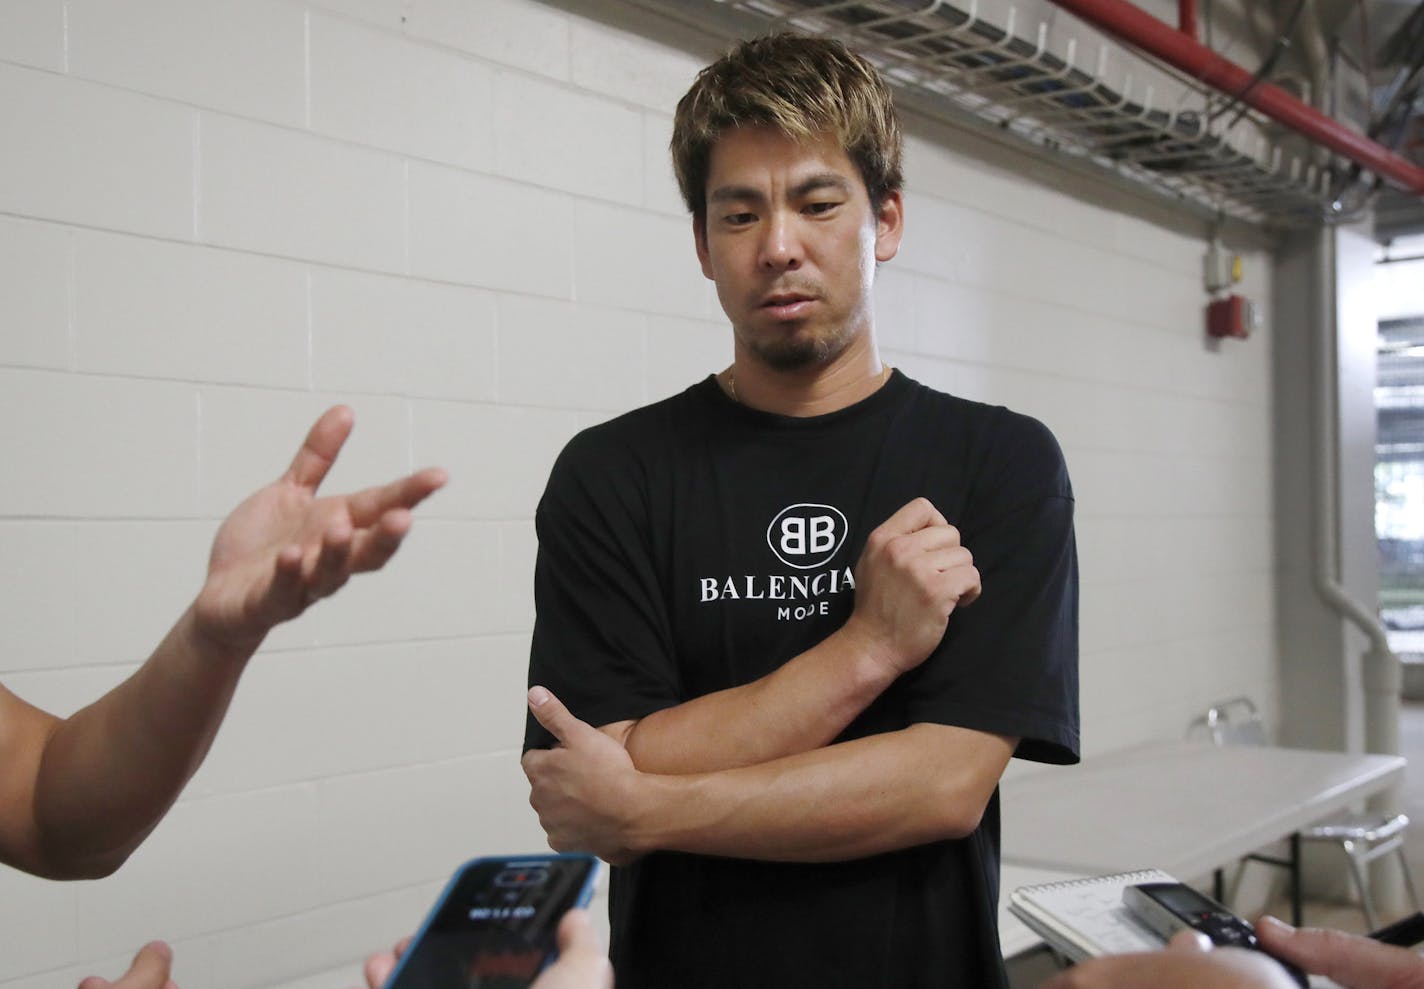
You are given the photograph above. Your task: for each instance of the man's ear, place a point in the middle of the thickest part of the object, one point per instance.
(699, 239)
(889, 225)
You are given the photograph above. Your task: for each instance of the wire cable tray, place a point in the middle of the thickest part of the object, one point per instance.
(1182, 145)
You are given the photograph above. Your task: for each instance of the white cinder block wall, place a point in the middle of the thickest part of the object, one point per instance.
(217, 218)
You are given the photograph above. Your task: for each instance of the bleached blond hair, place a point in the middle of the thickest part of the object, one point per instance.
(804, 87)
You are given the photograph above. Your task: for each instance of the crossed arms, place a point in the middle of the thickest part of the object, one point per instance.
(752, 772)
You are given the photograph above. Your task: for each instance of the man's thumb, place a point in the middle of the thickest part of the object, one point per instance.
(149, 969)
(550, 712)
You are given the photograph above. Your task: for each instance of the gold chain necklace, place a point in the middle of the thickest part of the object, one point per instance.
(732, 382)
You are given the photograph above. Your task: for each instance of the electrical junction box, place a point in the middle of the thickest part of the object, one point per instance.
(1232, 316)
(1221, 269)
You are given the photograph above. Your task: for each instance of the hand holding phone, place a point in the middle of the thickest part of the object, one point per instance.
(494, 925)
(1167, 908)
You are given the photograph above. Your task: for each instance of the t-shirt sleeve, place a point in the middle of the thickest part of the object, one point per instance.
(1008, 663)
(601, 641)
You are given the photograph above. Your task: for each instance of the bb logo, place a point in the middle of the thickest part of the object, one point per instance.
(806, 536)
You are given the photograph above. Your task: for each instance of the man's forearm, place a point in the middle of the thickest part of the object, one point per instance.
(845, 801)
(801, 706)
(110, 771)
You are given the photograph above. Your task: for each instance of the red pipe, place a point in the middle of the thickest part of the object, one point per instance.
(1187, 18)
(1126, 21)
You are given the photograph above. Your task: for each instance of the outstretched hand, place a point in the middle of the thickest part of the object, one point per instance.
(582, 789)
(148, 971)
(284, 548)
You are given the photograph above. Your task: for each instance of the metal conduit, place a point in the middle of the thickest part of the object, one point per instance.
(1129, 23)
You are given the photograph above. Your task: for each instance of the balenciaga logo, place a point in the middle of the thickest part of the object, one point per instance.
(806, 536)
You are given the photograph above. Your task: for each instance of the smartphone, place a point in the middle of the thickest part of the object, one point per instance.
(1405, 933)
(1167, 908)
(494, 925)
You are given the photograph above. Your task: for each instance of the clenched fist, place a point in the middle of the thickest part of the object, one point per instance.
(910, 577)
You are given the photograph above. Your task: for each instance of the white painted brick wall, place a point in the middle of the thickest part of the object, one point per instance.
(148, 308)
(555, 136)
(218, 218)
(660, 190)
(473, 230)
(96, 447)
(501, 454)
(120, 620)
(564, 355)
(247, 59)
(275, 191)
(517, 33)
(32, 33)
(378, 334)
(34, 294)
(95, 156)
(667, 282)
(365, 83)
(37, 592)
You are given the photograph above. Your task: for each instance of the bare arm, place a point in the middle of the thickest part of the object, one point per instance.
(844, 801)
(912, 574)
(78, 795)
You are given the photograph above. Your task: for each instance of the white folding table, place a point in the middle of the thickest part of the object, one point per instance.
(1186, 808)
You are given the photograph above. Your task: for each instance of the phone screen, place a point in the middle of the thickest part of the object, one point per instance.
(495, 926)
(1183, 900)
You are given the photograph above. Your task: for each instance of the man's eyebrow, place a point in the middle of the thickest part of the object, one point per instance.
(808, 185)
(734, 193)
(819, 181)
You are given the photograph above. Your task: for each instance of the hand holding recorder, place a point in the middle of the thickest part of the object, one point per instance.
(1189, 962)
(1170, 908)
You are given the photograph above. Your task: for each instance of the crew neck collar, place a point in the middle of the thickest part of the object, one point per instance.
(894, 386)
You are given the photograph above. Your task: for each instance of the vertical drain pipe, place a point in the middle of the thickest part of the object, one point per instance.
(1187, 18)
(1382, 675)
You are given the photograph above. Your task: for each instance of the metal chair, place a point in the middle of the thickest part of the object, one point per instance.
(1362, 837)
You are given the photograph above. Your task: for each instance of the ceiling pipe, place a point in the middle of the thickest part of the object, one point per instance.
(1129, 23)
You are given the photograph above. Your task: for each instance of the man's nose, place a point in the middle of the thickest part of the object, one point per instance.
(781, 248)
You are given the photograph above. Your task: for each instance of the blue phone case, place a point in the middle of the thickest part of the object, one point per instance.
(584, 895)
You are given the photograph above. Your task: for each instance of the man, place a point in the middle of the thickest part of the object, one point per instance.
(796, 760)
(1348, 960)
(79, 794)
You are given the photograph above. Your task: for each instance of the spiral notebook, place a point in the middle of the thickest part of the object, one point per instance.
(1085, 918)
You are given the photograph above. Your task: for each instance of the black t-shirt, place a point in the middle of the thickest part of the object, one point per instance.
(696, 544)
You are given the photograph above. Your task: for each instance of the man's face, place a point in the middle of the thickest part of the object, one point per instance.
(791, 240)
